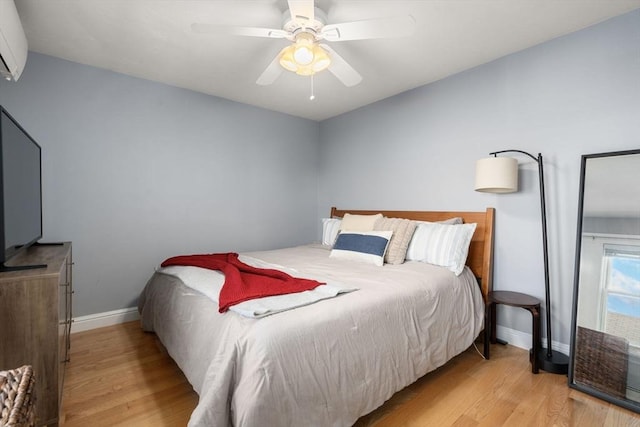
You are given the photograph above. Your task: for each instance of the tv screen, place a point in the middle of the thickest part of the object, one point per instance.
(21, 198)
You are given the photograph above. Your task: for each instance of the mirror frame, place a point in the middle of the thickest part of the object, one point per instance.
(625, 403)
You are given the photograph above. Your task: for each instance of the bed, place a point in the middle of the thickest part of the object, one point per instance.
(331, 362)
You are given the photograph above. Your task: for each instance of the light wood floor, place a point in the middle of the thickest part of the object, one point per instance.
(121, 376)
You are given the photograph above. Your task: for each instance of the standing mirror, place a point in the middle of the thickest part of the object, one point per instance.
(605, 340)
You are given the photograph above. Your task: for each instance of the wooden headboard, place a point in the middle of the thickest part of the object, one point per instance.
(480, 258)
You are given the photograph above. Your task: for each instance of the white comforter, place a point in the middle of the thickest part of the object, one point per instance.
(325, 364)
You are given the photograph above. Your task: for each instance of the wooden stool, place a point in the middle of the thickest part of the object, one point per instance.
(514, 299)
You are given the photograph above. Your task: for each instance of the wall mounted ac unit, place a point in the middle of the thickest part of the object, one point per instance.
(13, 42)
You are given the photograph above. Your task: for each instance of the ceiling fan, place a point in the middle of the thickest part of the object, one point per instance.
(306, 27)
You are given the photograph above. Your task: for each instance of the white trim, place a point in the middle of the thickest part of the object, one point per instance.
(523, 340)
(108, 318)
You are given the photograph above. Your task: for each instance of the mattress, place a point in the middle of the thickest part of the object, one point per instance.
(324, 364)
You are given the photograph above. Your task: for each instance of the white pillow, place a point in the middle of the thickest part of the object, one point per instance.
(330, 230)
(366, 246)
(441, 244)
(414, 250)
(359, 222)
(452, 221)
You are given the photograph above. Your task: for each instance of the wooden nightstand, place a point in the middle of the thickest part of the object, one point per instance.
(514, 299)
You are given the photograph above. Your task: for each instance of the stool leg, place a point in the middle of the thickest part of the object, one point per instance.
(492, 308)
(535, 314)
(487, 331)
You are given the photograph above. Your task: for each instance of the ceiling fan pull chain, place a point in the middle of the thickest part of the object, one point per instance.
(312, 97)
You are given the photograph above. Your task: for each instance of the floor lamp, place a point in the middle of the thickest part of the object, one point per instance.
(500, 175)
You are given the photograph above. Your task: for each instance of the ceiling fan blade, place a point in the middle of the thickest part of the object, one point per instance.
(302, 10)
(272, 72)
(238, 31)
(341, 69)
(400, 26)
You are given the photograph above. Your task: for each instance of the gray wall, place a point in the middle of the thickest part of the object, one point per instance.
(135, 171)
(575, 95)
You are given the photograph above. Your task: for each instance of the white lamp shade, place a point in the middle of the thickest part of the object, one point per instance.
(497, 175)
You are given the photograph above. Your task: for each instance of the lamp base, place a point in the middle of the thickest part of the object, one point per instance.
(558, 363)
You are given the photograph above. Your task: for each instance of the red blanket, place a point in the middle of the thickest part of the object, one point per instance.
(243, 282)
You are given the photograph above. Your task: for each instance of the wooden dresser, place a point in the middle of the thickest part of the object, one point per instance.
(35, 322)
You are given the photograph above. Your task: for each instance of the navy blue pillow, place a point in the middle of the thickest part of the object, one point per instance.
(369, 246)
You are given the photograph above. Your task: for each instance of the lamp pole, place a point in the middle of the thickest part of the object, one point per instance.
(551, 360)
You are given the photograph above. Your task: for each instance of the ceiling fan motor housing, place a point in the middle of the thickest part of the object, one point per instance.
(299, 24)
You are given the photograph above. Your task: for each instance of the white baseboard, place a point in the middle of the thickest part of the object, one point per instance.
(108, 318)
(523, 340)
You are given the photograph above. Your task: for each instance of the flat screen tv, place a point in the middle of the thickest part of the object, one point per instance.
(20, 189)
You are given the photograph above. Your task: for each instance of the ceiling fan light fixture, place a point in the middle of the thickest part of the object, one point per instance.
(304, 57)
(321, 59)
(287, 59)
(305, 71)
(303, 51)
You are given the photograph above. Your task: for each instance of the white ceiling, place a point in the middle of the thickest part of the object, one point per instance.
(152, 39)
